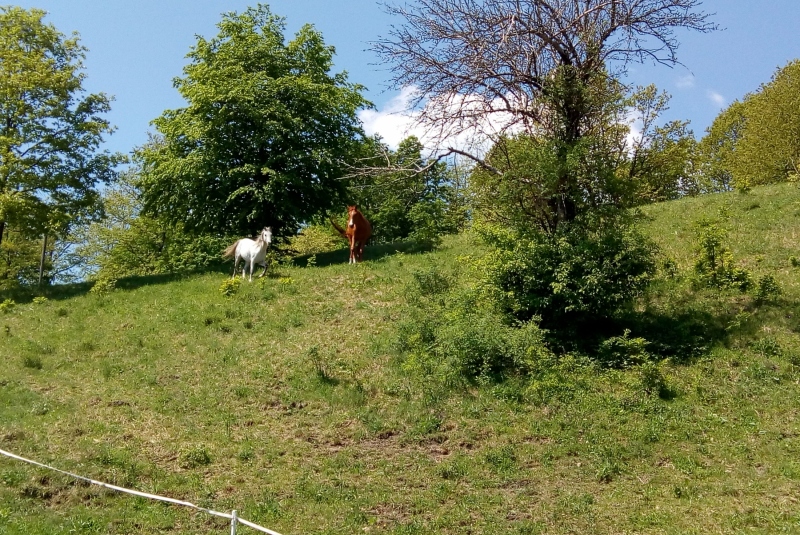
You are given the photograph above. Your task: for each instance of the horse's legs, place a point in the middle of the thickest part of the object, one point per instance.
(265, 270)
(252, 263)
(235, 261)
(352, 250)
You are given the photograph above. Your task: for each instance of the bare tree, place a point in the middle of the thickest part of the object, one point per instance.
(469, 59)
(500, 67)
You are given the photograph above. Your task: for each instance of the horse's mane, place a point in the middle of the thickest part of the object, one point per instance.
(260, 239)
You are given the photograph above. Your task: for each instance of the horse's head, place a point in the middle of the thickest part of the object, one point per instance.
(266, 235)
(351, 213)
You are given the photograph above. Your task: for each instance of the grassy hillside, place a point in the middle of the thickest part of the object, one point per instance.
(289, 402)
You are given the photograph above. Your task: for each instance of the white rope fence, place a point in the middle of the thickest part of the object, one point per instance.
(233, 517)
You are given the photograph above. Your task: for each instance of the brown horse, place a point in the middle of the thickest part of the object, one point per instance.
(357, 233)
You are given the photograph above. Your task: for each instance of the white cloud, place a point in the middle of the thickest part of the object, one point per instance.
(717, 99)
(394, 122)
(633, 121)
(685, 82)
(472, 132)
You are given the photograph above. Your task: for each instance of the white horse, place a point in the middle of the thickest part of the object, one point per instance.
(252, 252)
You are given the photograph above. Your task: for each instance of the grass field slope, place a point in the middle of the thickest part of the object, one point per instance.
(288, 400)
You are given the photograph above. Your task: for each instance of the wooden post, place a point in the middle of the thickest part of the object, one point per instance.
(41, 260)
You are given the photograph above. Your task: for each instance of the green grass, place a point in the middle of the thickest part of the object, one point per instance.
(288, 402)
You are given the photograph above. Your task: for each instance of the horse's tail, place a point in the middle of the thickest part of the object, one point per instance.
(230, 250)
(338, 228)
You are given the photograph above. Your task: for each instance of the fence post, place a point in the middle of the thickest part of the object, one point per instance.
(233, 522)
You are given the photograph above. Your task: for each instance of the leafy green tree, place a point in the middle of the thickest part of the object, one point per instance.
(404, 195)
(715, 152)
(756, 140)
(126, 242)
(265, 134)
(19, 260)
(669, 164)
(769, 149)
(50, 130)
(570, 273)
(659, 162)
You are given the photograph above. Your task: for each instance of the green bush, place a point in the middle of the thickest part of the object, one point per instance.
(151, 246)
(428, 222)
(587, 269)
(455, 335)
(623, 351)
(315, 239)
(103, 286)
(767, 289)
(653, 381)
(714, 265)
(7, 306)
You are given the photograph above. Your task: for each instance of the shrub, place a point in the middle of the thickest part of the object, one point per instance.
(7, 306)
(456, 335)
(315, 239)
(428, 222)
(653, 380)
(714, 265)
(623, 351)
(767, 289)
(151, 246)
(103, 286)
(587, 269)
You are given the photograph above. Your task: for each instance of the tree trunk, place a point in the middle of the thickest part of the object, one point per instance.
(2, 231)
(41, 260)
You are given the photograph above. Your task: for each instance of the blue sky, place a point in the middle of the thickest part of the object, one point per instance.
(136, 48)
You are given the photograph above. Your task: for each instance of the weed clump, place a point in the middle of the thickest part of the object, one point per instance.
(33, 362)
(194, 456)
(229, 287)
